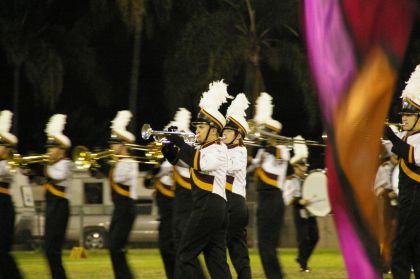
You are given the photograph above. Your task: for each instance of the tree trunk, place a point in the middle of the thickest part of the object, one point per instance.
(134, 79)
(16, 93)
(253, 84)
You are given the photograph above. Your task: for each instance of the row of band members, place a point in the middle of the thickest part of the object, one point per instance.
(206, 211)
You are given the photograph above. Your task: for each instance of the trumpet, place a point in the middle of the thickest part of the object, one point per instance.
(159, 136)
(18, 161)
(84, 159)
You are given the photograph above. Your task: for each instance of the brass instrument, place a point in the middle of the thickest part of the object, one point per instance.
(84, 159)
(19, 161)
(159, 136)
(399, 125)
(152, 150)
(254, 139)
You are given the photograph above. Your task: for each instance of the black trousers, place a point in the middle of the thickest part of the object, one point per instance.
(236, 235)
(307, 236)
(183, 207)
(122, 221)
(8, 267)
(166, 243)
(406, 248)
(56, 219)
(270, 215)
(205, 232)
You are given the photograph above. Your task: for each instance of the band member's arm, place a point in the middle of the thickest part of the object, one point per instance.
(60, 170)
(400, 147)
(125, 171)
(380, 182)
(291, 193)
(4, 170)
(237, 160)
(170, 152)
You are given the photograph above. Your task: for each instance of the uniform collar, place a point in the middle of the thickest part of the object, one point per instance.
(217, 141)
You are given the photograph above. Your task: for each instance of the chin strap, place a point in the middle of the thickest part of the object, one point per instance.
(415, 123)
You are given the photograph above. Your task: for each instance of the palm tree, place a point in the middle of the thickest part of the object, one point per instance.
(231, 39)
(26, 49)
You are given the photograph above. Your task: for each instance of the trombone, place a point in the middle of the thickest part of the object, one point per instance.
(18, 161)
(84, 159)
(159, 136)
(255, 138)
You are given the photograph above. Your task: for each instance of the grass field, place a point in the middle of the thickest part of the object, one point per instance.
(146, 263)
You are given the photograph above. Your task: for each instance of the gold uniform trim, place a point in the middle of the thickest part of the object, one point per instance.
(181, 181)
(409, 172)
(265, 178)
(50, 188)
(278, 153)
(163, 190)
(119, 189)
(4, 191)
(201, 184)
(411, 154)
(197, 160)
(116, 187)
(229, 186)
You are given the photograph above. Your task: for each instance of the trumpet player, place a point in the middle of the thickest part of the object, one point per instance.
(406, 144)
(56, 179)
(8, 267)
(305, 223)
(206, 228)
(183, 203)
(271, 162)
(122, 175)
(234, 132)
(387, 202)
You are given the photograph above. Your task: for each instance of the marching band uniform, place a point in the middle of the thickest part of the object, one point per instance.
(387, 203)
(57, 181)
(122, 175)
(305, 223)
(206, 228)
(406, 248)
(272, 164)
(183, 204)
(8, 267)
(165, 195)
(236, 188)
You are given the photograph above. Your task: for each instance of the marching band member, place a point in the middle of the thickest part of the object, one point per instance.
(206, 228)
(272, 164)
(8, 267)
(406, 248)
(56, 177)
(386, 201)
(122, 174)
(165, 195)
(183, 203)
(234, 132)
(305, 223)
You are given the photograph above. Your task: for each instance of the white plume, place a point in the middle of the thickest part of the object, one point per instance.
(412, 89)
(300, 150)
(183, 118)
(121, 120)
(215, 96)
(238, 106)
(263, 108)
(5, 120)
(56, 124)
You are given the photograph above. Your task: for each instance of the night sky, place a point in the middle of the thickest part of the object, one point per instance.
(92, 95)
